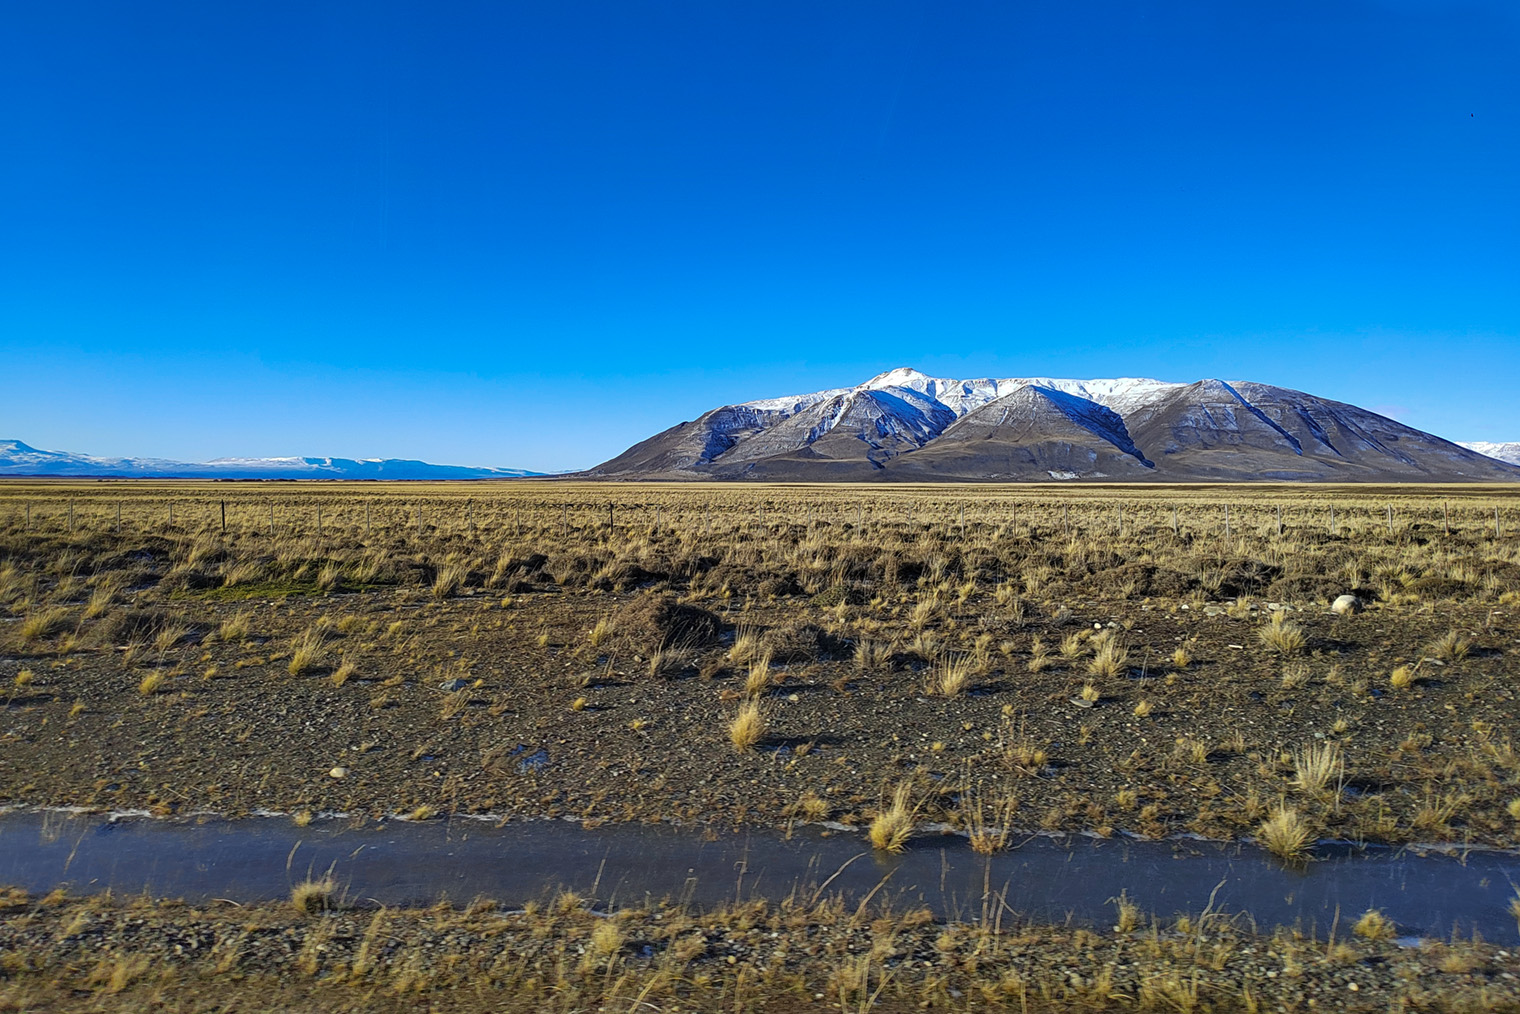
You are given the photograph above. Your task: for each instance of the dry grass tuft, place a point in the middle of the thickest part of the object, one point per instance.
(307, 651)
(1282, 635)
(951, 676)
(989, 822)
(43, 624)
(758, 679)
(1374, 925)
(894, 823)
(235, 627)
(1317, 767)
(1285, 833)
(449, 579)
(1109, 661)
(747, 728)
(1452, 646)
(310, 897)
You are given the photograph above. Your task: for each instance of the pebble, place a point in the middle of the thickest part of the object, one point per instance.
(339, 772)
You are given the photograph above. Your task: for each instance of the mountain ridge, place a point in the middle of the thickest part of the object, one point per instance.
(906, 425)
(19, 459)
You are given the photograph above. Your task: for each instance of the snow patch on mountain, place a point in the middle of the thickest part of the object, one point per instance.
(17, 458)
(1507, 451)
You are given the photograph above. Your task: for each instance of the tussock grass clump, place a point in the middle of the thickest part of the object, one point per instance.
(894, 823)
(310, 897)
(153, 683)
(1374, 925)
(1109, 660)
(1403, 677)
(344, 672)
(449, 579)
(758, 679)
(307, 651)
(1039, 655)
(746, 645)
(951, 676)
(747, 728)
(1452, 646)
(170, 635)
(236, 627)
(1286, 834)
(1317, 767)
(42, 624)
(1282, 635)
(871, 655)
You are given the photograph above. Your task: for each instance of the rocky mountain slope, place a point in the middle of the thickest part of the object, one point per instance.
(17, 458)
(904, 425)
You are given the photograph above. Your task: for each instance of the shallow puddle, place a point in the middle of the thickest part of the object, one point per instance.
(1041, 880)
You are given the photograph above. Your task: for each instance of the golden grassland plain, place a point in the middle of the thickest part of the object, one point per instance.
(984, 659)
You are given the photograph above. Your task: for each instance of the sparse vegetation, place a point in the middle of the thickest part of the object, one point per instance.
(893, 647)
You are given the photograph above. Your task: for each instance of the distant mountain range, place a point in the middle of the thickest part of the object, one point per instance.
(17, 458)
(906, 426)
(1509, 451)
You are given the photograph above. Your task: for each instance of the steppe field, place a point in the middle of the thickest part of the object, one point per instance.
(894, 662)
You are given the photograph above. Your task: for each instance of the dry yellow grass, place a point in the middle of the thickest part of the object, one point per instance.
(1286, 833)
(894, 822)
(747, 728)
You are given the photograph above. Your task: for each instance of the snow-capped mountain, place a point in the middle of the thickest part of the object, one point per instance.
(17, 458)
(908, 426)
(1508, 451)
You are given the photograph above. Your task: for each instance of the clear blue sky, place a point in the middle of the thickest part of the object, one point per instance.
(531, 233)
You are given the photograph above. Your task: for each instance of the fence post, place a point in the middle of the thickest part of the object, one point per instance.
(1174, 519)
(1279, 519)
(1065, 521)
(118, 517)
(1332, 519)
(1445, 519)
(1227, 520)
(1390, 518)
(224, 518)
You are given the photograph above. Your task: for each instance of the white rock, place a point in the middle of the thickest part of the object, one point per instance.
(339, 772)
(1346, 604)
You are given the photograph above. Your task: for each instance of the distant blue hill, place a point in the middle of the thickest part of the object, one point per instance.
(17, 458)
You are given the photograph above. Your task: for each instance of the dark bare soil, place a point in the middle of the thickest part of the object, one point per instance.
(544, 724)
